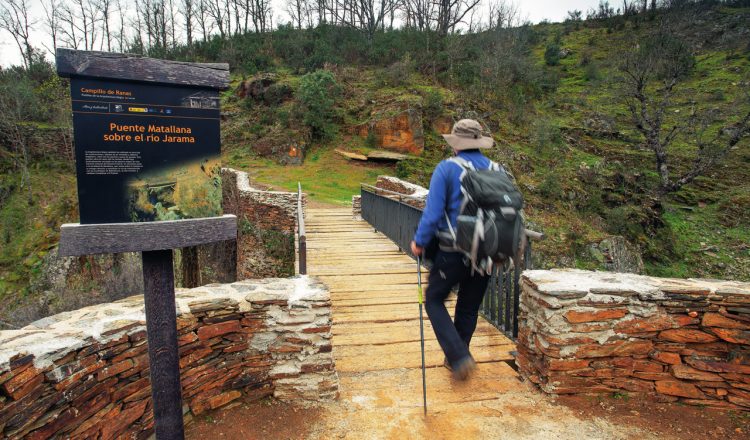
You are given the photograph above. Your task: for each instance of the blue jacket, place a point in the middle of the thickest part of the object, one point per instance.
(445, 195)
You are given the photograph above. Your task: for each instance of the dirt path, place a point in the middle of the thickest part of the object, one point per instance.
(376, 347)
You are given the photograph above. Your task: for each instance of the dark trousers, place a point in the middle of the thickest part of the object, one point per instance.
(454, 336)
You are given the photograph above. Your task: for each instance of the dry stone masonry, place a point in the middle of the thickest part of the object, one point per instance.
(676, 340)
(85, 374)
(357, 207)
(267, 222)
(417, 194)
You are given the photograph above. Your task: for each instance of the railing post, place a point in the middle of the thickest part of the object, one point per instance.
(301, 237)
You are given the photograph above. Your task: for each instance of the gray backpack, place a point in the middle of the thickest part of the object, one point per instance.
(489, 224)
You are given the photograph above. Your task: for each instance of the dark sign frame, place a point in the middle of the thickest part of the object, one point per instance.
(155, 239)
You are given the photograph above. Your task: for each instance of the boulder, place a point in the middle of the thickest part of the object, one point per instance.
(388, 156)
(352, 156)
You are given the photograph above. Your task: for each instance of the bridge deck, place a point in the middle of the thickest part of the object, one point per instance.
(376, 329)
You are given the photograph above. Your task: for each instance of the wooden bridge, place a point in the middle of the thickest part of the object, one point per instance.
(376, 332)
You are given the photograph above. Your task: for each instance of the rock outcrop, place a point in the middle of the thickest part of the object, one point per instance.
(617, 255)
(401, 132)
(674, 340)
(85, 374)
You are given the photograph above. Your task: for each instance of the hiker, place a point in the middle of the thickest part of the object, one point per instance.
(451, 267)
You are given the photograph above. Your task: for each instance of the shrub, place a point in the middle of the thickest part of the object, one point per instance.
(398, 73)
(546, 136)
(433, 104)
(550, 187)
(552, 54)
(317, 94)
(591, 72)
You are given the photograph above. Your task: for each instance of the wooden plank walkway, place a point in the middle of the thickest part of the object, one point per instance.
(376, 325)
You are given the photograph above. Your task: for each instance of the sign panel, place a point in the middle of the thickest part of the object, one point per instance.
(145, 152)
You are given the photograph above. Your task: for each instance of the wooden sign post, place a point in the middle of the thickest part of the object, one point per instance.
(147, 146)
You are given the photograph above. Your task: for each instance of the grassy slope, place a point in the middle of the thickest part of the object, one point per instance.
(707, 244)
(708, 241)
(549, 175)
(29, 232)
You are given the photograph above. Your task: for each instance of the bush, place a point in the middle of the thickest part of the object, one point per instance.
(552, 54)
(546, 136)
(317, 94)
(550, 187)
(433, 104)
(591, 72)
(398, 73)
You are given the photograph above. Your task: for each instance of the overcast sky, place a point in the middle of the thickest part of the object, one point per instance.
(533, 10)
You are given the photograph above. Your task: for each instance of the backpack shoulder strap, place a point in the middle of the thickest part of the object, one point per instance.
(463, 163)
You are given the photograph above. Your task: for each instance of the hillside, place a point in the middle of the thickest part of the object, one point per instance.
(574, 150)
(561, 125)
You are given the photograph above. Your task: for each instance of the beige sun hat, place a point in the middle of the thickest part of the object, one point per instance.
(467, 135)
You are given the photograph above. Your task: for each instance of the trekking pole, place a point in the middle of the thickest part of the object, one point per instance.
(421, 332)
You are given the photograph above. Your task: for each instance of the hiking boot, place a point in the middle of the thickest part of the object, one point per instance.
(464, 368)
(447, 364)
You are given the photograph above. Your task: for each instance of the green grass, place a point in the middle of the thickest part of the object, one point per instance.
(325, 177)
(28, 232)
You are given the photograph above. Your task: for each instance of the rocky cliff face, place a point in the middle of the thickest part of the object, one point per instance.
(402, 132)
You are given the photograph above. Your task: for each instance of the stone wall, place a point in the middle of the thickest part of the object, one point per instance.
(85, 373)
(675, 340)
(266, 223)
(418, 194)
(357, 207)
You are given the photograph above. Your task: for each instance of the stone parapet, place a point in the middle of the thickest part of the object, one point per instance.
(267, 222)
(85, 373)
(591, 332)
(357, 207)
(417, 194)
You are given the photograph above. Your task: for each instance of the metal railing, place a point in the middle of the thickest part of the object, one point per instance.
(389, 213)
(301, 237)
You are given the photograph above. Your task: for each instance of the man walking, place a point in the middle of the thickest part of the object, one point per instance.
(450, 267)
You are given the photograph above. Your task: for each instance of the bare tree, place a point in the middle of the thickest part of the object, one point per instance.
(188, 11)
(137, 23)
(172, 22)
(203, 17)
(452, 12)
(87, 11)
(665, 60)
(215, 11)
(367, 15)
(122, 12)
(420, 14)
(52, 22)
(105, 7)
(155, 17)
(70, 30)
(504, 14)
(299, 11)
(16, 20)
